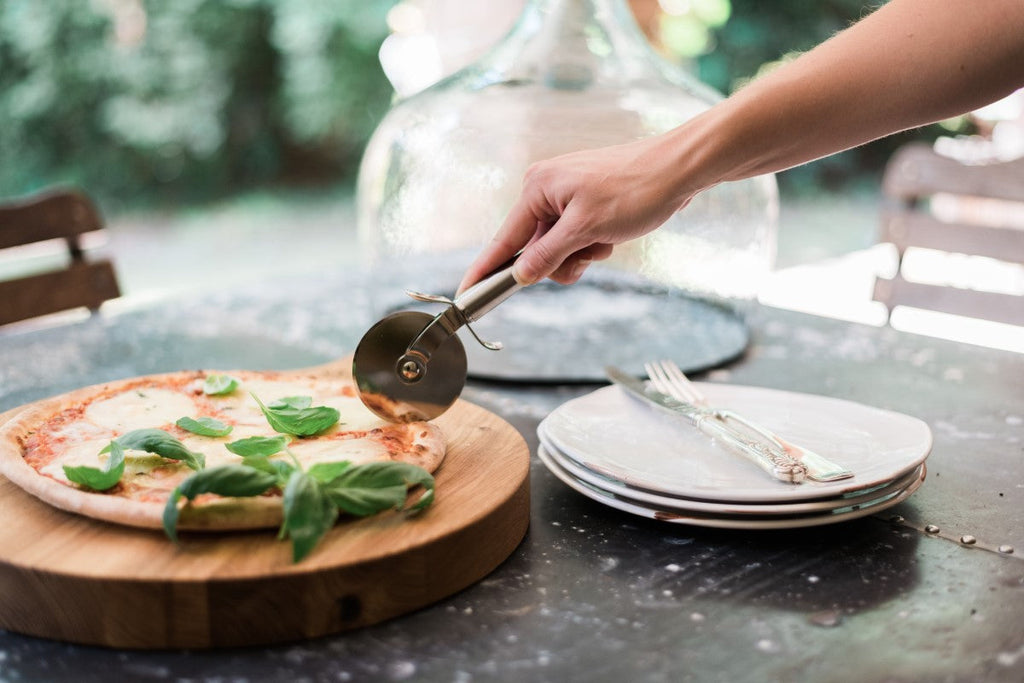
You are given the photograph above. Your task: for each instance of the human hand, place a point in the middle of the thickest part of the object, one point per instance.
(574, 208)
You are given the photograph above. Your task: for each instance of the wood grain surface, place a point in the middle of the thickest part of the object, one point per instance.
(72, 578)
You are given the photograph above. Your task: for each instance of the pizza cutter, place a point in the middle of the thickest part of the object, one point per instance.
(411, 366)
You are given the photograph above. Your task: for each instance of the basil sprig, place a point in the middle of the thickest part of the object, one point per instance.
(219, 385)
(297, 416)
(326, 471)
(155, 441)
(159, 442)
(309, 513)
(95, 478)
(224, 480)
(279, 468)
(204, 426)
(312, 500)
(376, 486)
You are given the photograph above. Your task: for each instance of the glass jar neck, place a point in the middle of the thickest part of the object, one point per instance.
(601, 10)
(578, 22)
(572, 41)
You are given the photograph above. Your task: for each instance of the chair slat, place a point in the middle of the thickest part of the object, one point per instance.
(63, 214)
(906, 228)
(915, 175)
(82, 284)
(916, 170)
(994, 306)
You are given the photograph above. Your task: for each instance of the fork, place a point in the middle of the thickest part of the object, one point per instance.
(669, 379)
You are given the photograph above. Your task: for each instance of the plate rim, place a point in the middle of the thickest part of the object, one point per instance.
(595, 479)
(769, 523)
(607, 282)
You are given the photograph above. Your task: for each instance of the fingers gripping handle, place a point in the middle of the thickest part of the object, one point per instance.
(485, 295)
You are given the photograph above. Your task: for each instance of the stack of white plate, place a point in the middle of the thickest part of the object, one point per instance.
(617, 450)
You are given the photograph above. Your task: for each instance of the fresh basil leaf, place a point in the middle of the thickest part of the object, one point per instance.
(258, 445)
(219, 385)
(326, 471)
(279, 468)
(308, 513)
(204, 426)
(163, 444)
(95, 478)
(363, 502)
(235, 481)
(375, 486)
(170, 516)
(297, 402)
(259, 462)
(298, 421)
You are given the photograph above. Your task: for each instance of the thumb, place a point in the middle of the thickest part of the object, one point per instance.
(549, 249)
(540, 259)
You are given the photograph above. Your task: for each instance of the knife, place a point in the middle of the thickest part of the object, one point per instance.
(767, 456)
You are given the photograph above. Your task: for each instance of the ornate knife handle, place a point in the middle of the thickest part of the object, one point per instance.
(772, 460)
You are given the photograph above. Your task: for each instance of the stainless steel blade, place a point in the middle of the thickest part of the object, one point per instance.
(411, 366)
(403, 386)
(655, 398)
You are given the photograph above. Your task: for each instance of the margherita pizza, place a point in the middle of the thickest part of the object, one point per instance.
(209, 419)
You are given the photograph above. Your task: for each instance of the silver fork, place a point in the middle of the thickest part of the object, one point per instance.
(669, 379)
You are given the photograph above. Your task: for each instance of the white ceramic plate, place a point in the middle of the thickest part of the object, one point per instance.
(617, 436)
(678, 516)
(826, 497)
(642, 497)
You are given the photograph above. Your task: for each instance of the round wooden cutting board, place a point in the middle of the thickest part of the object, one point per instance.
(72, 578)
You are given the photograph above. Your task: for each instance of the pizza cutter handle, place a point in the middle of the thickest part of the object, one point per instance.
(468, 307)
(485, 295)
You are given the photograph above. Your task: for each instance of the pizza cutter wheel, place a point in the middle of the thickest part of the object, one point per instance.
(411, 366)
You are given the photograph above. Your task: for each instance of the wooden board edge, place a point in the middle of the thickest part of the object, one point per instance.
(69, 611)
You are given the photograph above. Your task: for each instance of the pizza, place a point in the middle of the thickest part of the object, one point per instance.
(42, 447)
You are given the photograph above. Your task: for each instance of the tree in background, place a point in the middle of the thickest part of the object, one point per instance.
(143, 100)
(744, 38)
(191, 99)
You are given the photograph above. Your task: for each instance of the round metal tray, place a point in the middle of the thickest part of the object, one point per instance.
(562, 334)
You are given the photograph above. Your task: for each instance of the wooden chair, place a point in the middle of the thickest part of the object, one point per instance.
(917, 173)
(59, 214)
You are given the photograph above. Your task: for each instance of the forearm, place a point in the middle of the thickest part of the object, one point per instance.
(910, 63)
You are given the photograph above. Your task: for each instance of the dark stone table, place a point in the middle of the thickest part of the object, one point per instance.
(593, 594)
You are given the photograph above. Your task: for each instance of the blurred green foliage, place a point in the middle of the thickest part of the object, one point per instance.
(186, 99)
(759, 33)
(144, 100)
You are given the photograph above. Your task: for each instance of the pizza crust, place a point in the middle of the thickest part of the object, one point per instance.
(419, 443)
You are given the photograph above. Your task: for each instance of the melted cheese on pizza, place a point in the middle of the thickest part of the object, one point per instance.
(78, 436)
(140, 409)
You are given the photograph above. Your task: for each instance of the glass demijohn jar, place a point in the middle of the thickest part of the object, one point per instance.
(445, 165)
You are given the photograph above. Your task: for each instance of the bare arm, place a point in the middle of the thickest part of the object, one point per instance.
(910, 63)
